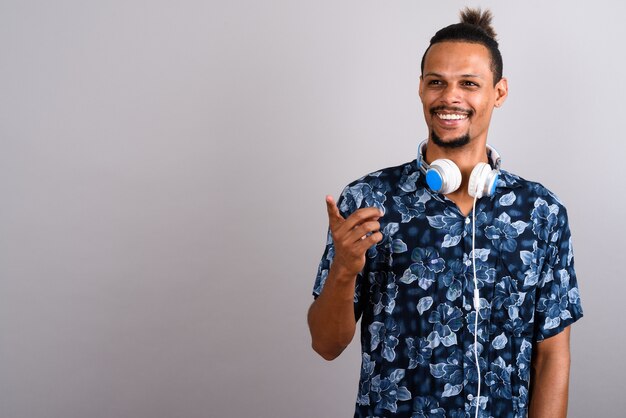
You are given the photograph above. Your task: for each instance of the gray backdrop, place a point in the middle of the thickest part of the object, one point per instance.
(163, 167)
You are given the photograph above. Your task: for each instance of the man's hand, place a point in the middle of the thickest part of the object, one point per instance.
(352, 237)
(331, 317)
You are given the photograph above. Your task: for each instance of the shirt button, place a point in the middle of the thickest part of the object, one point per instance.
(468, 262)
(467, 221)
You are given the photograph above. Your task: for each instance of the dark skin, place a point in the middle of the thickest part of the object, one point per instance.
(458, 79)
(550, 377)
(331, 316)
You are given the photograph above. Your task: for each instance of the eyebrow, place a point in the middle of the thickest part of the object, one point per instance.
(462, 75)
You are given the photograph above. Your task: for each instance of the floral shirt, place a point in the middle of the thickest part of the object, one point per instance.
(415, 295)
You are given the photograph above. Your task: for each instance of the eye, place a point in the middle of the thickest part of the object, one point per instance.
(468, 83)
(435, 83)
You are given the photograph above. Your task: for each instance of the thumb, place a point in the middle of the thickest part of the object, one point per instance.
(334, 216)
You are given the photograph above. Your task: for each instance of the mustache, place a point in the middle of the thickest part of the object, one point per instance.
(455, 109)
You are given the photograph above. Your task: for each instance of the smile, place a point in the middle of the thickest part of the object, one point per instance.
(451, 116)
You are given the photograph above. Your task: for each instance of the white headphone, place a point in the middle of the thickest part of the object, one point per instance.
(443, 176)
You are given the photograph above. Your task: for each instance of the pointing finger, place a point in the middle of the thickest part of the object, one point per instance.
(334, 216)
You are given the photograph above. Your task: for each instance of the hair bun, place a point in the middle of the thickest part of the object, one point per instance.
(479, 18)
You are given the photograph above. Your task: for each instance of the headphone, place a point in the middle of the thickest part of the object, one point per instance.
(443, 176)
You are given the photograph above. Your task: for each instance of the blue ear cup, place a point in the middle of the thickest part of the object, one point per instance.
(492, 189)
(434, 180)
(443, 176)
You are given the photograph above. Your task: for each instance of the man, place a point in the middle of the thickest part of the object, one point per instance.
(452, 265)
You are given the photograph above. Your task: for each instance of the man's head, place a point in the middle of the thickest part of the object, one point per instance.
(462, 81)
(475, 27)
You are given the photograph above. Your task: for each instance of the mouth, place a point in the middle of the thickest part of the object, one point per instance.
(451, 113)
(451, 116)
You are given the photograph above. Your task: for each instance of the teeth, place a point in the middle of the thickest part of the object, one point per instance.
(446, 116)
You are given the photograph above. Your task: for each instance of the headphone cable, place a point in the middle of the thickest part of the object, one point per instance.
(476, 303)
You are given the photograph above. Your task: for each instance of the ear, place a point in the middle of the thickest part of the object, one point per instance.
(502, 91)
(419, 91)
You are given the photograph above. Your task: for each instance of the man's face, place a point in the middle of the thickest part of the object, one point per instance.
(458, 94)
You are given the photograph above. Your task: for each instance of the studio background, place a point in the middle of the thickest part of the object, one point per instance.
(163, 167)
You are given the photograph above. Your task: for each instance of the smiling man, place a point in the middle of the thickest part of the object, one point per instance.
(462, 274)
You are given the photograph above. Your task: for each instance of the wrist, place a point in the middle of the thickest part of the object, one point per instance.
(342, 274)
(341, 282)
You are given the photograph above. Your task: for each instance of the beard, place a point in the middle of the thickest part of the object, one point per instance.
(452, 143)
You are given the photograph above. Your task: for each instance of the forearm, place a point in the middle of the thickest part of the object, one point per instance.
(331, 316)
(550, 384)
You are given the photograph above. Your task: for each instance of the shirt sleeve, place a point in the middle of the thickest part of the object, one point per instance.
(324, 266)
(558, 299)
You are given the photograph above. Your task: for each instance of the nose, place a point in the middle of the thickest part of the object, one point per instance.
(450, 94)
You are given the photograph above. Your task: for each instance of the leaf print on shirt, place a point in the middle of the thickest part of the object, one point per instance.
(554, 306)
(419, 351)
(412, 205)
(508, 297)
(523, 360)
(386, 392)
(520, 403)
(573, 296)
(367, 369)
(427, 407)
(499, 379)
(386, 335)
(454, 226)
(363, 397)
(503, 233)
(535, 261)
(544, 218)
(457, 413)
(508, 199)
(398, 246)
(408, 180)
(424, 304)
(450, 372)
(515, 326)
(383, 291)
(447, 320)
(451, 282)
(570, 251)
(360, 195)
(426, 263)
(470, 408)
(499, 342)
